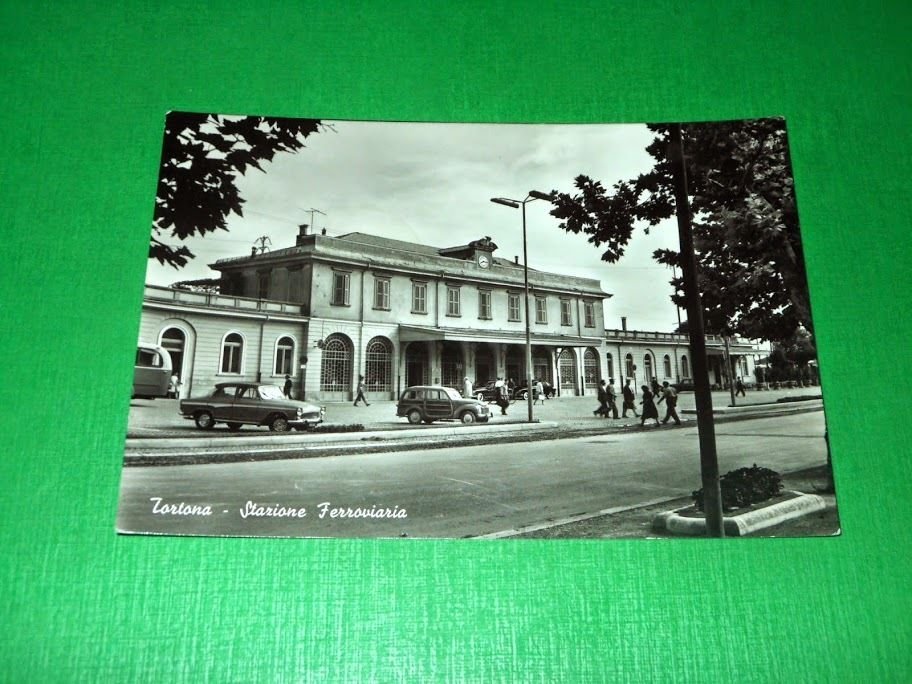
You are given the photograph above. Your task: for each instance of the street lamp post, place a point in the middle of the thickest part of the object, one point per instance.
(516, 204)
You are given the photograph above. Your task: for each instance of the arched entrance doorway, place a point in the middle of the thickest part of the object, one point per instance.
(484, 364)
(451, 365)
(566, 365)
(416, 364)
(336, 368)
(591, 369)
(541, 365)
(174, 340)
(515, 363)
(378, 366)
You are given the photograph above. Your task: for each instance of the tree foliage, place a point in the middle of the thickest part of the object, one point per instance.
(203, 285)
(202, 156)
(745, 223)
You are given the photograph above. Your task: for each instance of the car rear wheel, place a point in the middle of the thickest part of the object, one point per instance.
(234, 427)
(279, 424)
(467, 417)
(414, 416)
(203, 420)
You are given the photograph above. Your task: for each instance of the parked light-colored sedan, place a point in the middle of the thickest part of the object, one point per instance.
(250, 403)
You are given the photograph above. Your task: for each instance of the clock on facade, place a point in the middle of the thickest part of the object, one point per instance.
(484, 261)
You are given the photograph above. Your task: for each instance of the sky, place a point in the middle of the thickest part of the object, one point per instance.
(432, 184)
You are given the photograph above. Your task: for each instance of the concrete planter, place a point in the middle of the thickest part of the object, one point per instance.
(687, 521)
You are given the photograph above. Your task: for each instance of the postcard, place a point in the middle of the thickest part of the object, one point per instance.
(420, 330)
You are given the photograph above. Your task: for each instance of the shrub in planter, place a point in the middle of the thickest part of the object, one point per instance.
(744, 486)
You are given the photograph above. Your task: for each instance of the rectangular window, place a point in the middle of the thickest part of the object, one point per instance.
(513, 307)
(589, 314)
(484, 304)
(382, 293)
(453, 308)
(566, 313)
(340, 288)
(263, 285)
(419, 297)
(541, 310)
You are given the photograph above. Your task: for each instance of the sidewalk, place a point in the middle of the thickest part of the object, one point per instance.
(636, 522)
(160, 419)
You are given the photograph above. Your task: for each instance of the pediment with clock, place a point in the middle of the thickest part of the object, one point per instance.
(480, 251)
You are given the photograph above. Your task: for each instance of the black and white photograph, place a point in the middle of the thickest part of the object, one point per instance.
(357, 329)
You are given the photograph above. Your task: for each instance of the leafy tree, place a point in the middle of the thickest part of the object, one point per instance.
(202, 156)
(745, 222)
(204, 285)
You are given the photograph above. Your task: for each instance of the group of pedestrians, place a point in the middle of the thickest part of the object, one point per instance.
(607, 398)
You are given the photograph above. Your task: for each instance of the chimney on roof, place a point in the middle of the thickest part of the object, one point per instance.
(624, 323)
(323, 232)
(516, 260)
(253, 251)
(303, 232)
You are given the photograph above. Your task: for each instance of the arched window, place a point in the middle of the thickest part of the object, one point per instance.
(647, 367)
(284, 356)
(628, 365)
(685, 367)
(566, 364)
(335, 368)
(232, 353)
(610, 361)
(591, 368)
(667, 366)
(378, 365)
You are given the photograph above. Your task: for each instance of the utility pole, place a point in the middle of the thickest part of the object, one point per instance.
(709, 462)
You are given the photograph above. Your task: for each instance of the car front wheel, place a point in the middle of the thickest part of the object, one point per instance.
(203, 420)
(467, 417)
(414, 416)
(279, 424)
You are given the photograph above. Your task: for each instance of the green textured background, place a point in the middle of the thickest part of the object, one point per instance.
(85, 89)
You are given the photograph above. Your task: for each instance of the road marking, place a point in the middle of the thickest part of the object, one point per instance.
(451, 479)
(570, 519)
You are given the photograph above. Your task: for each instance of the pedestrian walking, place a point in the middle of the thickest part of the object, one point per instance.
(502, 393)
(602, 410)
(361, 396)
(549, 390)
(670, 397)
(739, 388)
(629, 400)
(467, 388)
(286, 389)
(611, 396)
(539, 393)
(649, 407)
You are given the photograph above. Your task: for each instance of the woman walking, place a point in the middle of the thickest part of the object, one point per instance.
(649, 407)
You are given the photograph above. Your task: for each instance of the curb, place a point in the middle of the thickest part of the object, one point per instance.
(745, 523)
(309, 439)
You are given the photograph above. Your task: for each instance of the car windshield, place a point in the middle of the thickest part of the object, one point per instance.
(451, 393)
(271, 392)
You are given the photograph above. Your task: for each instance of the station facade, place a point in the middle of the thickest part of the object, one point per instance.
(333, 308)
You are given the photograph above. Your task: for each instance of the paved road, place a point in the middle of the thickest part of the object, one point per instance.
(464, 491)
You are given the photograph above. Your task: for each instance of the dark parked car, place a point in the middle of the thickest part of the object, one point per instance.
(487, 392)
(250, 403)
(432, 402)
